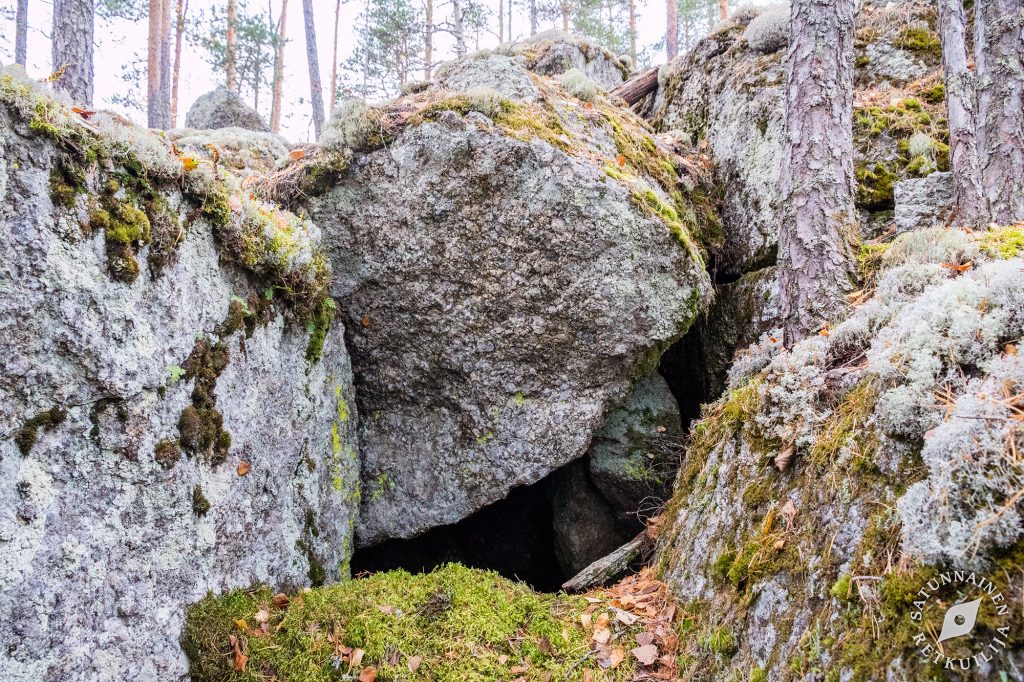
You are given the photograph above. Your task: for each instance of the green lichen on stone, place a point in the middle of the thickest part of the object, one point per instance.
(47, 420)
(318, 327)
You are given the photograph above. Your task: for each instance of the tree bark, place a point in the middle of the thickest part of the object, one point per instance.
(501, 21)
(231, 65)
(334, 57)
(179, 33)
(533, 17)
(428, 41)
(999, 59)
(671, 29)
(457, 29)
(153, 56)
(275, 104)
(816, 184)
(21, 33)
(723, 10)
(566, 11)
(637, 87)
(72, 48)
(632, 33)
(968, 204)
(316, 96)
(165, 65)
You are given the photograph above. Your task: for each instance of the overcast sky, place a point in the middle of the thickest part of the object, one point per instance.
(118, 42)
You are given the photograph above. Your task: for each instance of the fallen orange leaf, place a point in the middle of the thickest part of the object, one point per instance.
(243, 468)
(297, 154)
(414, 663)
(646, 654)
(369, 674)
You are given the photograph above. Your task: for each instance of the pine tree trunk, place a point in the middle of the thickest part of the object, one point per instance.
(566, 9)
(21, 33)
(671, 29)
(632, 33)
(231, 64)
(816, 184)
(999, 59)
(72, 48)
(316, 95)
(428, 41)
(153, 55)
(723, 10)
(501, 21)
(275, 104)
(457, 30)
(179, 33)
(334, 57)
(165, 66)
(968, 204)
(533, 17)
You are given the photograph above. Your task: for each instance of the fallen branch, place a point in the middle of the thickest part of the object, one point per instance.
(637, 87)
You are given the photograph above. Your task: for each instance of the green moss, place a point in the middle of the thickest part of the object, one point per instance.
(921, 40)
(1003, 242)
(862, 60)
(869, 261)
(67, 181)
(875, 185)
(200, 505)
(464, 624)
(722, 641)
(758, 675)
(47, 420)
(936, 94)
(201, 425)
(843, 588)
(167, 453)
(846, 426)
(318, 327)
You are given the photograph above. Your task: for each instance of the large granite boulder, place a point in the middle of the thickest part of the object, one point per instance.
(244, 152)
(507, 269)
(222, 108)
(165, 429)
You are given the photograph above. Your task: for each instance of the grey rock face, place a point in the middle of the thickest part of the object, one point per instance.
(921, 202)
(732, 97)
(553, 52)
(584, 525)
(631, 458)
(222, 108)
(501, 295)
(103, 543)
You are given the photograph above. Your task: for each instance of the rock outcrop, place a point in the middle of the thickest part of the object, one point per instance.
(168, 424)
(244, 152)
(222, 108)
(553, 52)
(730, 95)
(507, 268)
(832, 481)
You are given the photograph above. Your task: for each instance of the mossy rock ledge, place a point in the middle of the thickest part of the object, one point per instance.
(164, 430)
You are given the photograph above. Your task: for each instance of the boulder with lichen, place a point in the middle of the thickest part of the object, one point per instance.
(223, 108)
(553, 52)
(176, 412)
(857, 466)
(507, 269)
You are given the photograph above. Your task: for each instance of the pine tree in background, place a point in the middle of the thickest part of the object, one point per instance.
(816, 184)
(21, 33)
(334, 58)
(179, 34)
(388, 47)
(428, 40)
(315, 89)
(231, 60)
(256, 41)
(671, 29)
(275, 105)
(72, 41)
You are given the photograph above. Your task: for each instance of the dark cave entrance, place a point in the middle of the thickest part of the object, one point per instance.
(514, 537)
(544, 533)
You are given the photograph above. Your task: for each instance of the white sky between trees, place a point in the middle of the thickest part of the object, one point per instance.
(118, 41)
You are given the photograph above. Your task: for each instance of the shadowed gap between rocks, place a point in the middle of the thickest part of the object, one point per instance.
(542, 534)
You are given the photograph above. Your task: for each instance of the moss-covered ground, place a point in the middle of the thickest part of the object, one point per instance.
(455, 623)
